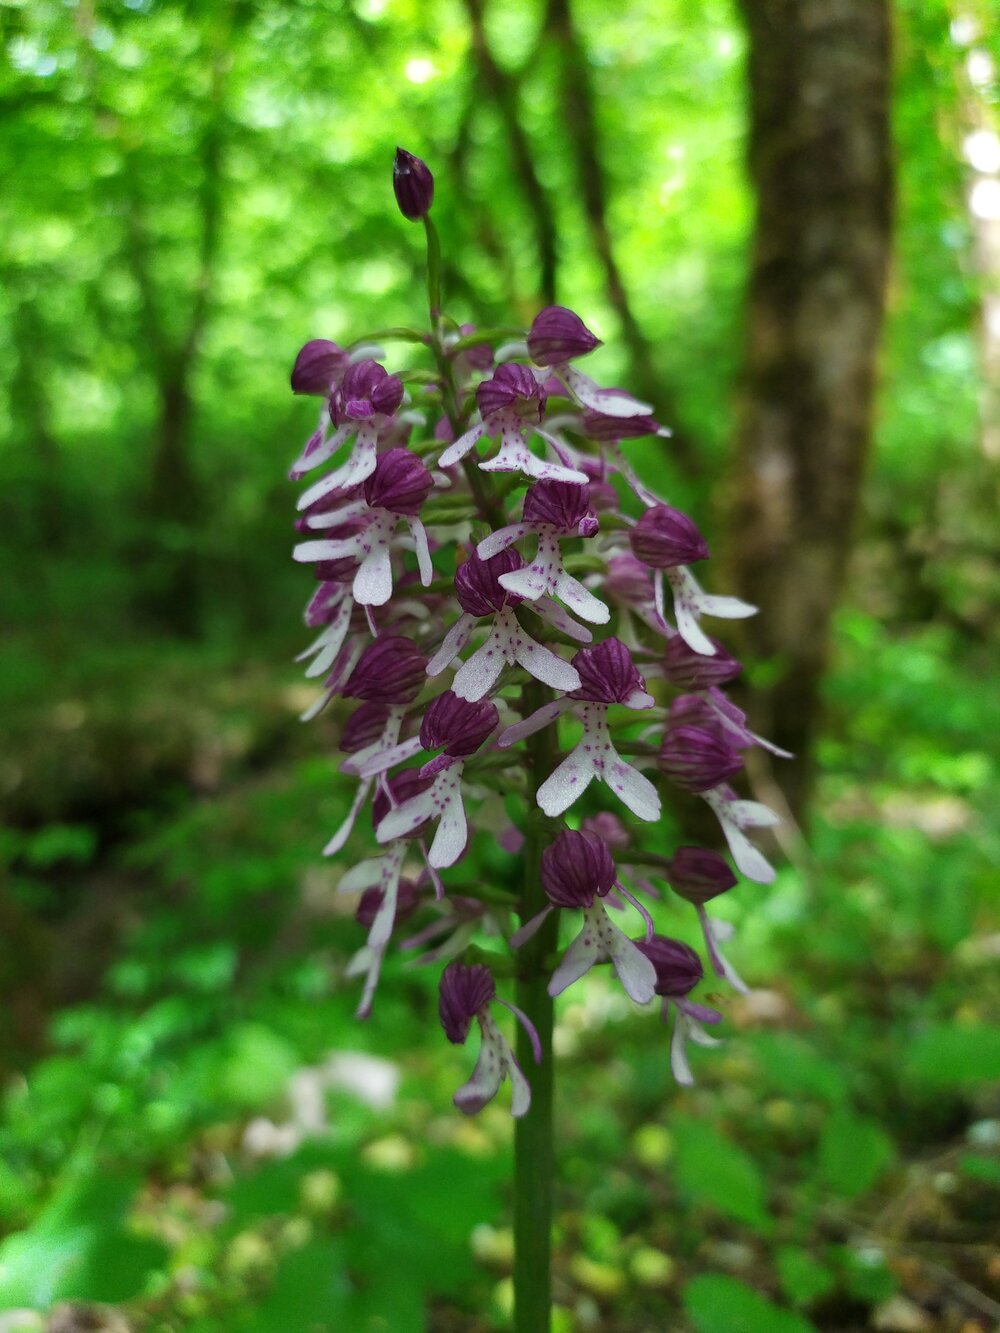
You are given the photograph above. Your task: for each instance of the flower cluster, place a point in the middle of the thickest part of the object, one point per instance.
(492, 574)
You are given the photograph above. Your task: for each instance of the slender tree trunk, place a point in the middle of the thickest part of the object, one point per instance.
(820, 161)
(580, 122)
(503, 89)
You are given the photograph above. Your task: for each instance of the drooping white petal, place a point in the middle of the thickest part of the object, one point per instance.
(373, 581)
(325, 648)
(359, 465)
(753, 814)
(386, 757)
(407, 817)
(636, 973)
(423, 552)
(452, 830)
(678, 1055)
(314, 454)
(632, 789)
(328, 548)
(484, 1084)
(578, 959)
(520, 1088)
(726, 608)
(479, 674)
(567, 782)
(686, 592)
(454, 641)
(364, 875)
(714, 931)
(749, 860)
(551, 612)
(503, 537)
(457, 451)
(344, 832)
(612, 402)
(542, 663)
(578, 599)
(381, 927)
(540, 718)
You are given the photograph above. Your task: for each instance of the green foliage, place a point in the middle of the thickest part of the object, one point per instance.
(803, 1278)
(853, 1152)
(80, 1244)
(719, 1304)
(945, 1057)
(714, 1171)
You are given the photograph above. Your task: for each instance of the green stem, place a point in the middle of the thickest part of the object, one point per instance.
(534, 1157)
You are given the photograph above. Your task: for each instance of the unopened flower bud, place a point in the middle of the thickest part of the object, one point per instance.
(577, 866)
(477, 583)
(608, 675)
(319, 367)
(563, 505)
(693, 671)
(456, 725)
(698, 874)
(413, 185)
(698, 758)
(557, 335)
(678, 967)
(400, 483)
(466, 989)
(628, 580)
(392, 670)
(610, 828)
(664, 537)
(511, 386)
(479, 357)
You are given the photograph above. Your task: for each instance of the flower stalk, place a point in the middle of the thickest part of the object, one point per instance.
(534, 1142)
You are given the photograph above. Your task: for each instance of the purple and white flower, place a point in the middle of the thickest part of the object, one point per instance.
(608, 676)
(699, 752)
(511, 406)
(697, 874)
(466, 993)
(667, 540)
(362, 406)
(459, 728)
(396, 489)
(577, 871)
(678, 970)
(558, 336)
(553, 510)
(480, 593)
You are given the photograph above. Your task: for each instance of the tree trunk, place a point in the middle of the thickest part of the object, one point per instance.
(821, 163)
